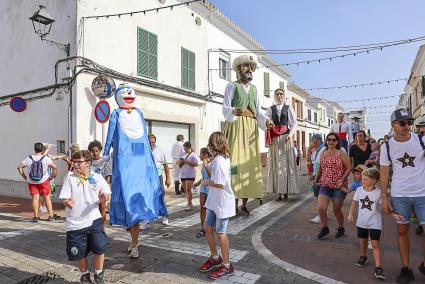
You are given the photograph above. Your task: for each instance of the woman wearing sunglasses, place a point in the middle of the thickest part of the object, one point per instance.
(335, 166)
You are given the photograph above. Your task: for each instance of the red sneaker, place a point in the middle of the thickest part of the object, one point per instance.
(221, 271)
(210, 264)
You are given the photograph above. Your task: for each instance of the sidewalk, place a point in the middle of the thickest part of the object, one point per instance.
(295, 241)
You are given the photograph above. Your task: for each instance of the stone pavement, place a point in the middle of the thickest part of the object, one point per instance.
(35, 252)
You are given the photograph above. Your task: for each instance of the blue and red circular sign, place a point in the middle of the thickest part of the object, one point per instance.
(18, 104)
(102, 111)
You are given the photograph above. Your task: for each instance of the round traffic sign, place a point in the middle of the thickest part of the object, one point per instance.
(102, 111)
(18, 104)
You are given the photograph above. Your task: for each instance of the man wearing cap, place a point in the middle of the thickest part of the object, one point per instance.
(405, 152)
(343, 130)
(243, 114)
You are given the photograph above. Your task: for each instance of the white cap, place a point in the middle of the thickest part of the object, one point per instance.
(248, 58)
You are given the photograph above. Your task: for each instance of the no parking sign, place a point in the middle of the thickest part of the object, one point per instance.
(18, 104)
(102, 111)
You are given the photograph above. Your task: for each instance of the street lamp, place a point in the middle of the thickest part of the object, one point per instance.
(42, 23)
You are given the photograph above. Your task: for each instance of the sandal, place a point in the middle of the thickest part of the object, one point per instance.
(200, 234)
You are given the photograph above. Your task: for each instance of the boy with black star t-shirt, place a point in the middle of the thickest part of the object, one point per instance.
(369, 220)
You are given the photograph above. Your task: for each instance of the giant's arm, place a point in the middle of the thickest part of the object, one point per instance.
(292, 121)
(113, 120)
(227, 104)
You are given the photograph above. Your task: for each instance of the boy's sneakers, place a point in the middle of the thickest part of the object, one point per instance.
(36, 219)
(188, 207)
(323, 233)
(43, 209)
(134, 252)
(98, 278)
(211, 263)
(405, 276)
(340, 233)
(362, 261)
(315, 220)
(85, 279)
(379, 273)
(221, 271)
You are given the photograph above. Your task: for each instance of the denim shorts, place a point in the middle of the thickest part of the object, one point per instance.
(405, 205)
(332, 192)
(90, 239)
(220, 225)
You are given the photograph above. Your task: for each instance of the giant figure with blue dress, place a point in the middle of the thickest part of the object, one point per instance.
(136, 191)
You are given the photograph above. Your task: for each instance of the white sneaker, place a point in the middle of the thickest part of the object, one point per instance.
(165, 221)
(43, 209)
(134, 253)
(315, 220)
(130, 246)
(188, 207)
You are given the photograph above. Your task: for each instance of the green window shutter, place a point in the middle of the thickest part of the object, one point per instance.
(147, 54)
(266, 84)
(282, 85)
(187, 69)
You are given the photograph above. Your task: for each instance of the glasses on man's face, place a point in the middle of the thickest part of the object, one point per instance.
(331, 140)
(422, 132)
(78, 163)
(405, 122)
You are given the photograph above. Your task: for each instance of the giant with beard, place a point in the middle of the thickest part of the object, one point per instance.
(243, 114)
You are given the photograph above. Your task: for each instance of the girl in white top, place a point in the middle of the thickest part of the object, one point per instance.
(369, 220)
(220, 206)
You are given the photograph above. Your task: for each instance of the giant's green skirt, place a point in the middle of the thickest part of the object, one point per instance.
(242, 136)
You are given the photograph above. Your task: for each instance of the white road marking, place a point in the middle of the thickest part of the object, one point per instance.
(269, 256)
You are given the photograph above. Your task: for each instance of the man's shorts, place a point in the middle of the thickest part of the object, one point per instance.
(364, 233)
(332, 192)
(220, 225)
(42, 189)
(404, 206)
(90, 239)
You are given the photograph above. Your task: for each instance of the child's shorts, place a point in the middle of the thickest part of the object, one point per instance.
(364, 233)
(220, 225)
(90, 239)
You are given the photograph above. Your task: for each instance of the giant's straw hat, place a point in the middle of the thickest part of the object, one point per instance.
(248, 58)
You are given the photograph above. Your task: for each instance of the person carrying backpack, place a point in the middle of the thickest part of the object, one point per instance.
(405, 152)
(38, 179)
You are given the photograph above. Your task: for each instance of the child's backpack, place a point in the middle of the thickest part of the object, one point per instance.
(388, 147)
(36, 172)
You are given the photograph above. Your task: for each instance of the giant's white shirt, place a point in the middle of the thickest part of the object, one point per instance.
(228, 109)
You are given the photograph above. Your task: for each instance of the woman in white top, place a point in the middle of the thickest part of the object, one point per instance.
(282, 169)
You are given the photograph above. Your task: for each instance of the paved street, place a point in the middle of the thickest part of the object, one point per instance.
(275, 244)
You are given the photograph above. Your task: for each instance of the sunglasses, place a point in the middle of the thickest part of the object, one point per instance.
(404, 123)
(331, 140)
(79, 163)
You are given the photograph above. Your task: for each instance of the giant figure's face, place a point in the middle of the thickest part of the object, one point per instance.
(245, 72)
(125, 96)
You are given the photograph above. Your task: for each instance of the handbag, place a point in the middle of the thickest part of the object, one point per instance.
(275, 131)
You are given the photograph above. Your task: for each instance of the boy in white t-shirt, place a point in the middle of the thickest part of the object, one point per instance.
(82, 193)
(220, 206)
(369, 219)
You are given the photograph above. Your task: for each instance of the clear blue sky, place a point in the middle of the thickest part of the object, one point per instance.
(279, 24)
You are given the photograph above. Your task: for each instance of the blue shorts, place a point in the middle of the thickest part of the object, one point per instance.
(90, 239)
(332, 192)
(405, 205)
(220, 225)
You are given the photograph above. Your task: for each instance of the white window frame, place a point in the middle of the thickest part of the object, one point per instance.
(224, 57)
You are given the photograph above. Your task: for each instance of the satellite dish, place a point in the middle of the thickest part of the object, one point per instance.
(103, 87)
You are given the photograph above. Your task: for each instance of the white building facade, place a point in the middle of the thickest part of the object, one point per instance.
(166, 56)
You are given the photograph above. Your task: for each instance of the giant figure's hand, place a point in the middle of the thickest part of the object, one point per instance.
(237, 111)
